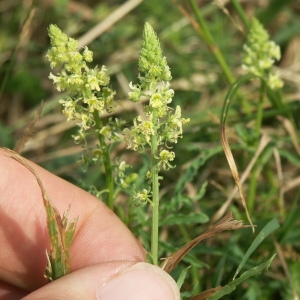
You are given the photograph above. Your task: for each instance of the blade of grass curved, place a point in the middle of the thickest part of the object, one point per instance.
(269, 228)
(230, 287)
(182, 276)
(229, 97)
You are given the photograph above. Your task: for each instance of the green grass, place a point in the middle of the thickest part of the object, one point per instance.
(202, 180)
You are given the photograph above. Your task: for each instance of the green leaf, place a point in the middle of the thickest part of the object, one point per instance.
(230, 287)
(182, 277)
(294, 159)
(193, 168)
(269, 228)
(201, 192)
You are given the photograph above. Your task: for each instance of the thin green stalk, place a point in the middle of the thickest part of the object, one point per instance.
(255, 170)
(12, 59)
(259, 114)
(155, 191)
(205, 34)
(241, 13)
(107, 163)
(252, 187)
(209, 40)
(274, 189)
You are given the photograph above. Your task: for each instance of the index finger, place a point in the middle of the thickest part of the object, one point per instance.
(100, 236)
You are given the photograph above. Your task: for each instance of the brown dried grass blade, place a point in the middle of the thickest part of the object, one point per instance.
(61, 232)
(288, 125)
(28, 130)
(226, 104)
(264, 141)
(227, 223)
(234, 171)
(206, 294)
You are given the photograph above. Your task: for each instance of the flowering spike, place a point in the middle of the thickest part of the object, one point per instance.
(152, 64)
(88, 91)
(260, 54)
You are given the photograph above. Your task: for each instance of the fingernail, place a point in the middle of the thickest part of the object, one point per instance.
(141, 281)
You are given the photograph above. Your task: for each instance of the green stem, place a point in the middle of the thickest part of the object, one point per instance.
(241, 13)
(204, 32)
(155, 190)
(252, 187)
(107, 163)
(255, 170)
(259, 114)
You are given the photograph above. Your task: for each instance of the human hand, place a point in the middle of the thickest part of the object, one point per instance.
(106, 260)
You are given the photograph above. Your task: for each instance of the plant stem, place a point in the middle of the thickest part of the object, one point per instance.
(107, 163)
(241, 13)
(255, 170)
(259, 114)
(252, 187)
(155, 190)
(204, 32)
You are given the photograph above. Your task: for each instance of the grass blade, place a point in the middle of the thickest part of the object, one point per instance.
(269, 228)
(61, 232)
(230, 95)
(230, 287)
(182, 276)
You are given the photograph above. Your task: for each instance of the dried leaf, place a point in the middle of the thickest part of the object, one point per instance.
(264, 141)
(28, 130)
(287, 124)
(204, 295)
(230, 95)
(61, 232)
(227, 223)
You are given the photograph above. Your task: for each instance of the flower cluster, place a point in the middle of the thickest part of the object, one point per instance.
(154, 77)
(165, 157)
(260, 54)
(162, 123)
(152, 64)
(87, 89)
(123, 180)
(142, 198)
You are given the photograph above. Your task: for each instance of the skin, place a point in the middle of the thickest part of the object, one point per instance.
(101, 239)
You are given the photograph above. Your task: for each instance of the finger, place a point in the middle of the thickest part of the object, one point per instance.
(100, 236)
(110, 281)
(10, 292)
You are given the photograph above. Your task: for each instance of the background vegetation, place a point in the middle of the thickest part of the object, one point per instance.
(199, 190)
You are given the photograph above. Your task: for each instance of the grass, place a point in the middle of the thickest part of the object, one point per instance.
(199, 190)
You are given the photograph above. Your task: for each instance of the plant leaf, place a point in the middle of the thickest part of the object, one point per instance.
(269, 228)
(230, 287)
(227, 223)
(204, 295)
(182, 276)
(230, 95)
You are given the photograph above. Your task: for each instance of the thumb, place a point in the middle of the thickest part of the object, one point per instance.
(120, 280)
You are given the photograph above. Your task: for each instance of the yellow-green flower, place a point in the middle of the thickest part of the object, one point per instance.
(260, 54)
(165, 157)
